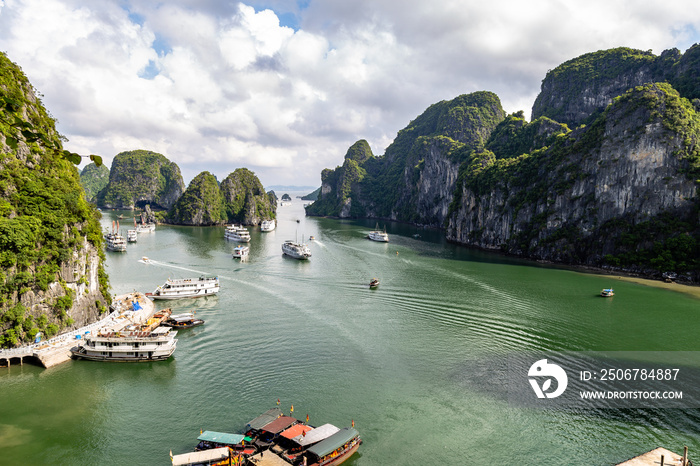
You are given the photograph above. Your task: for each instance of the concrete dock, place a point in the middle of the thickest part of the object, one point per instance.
(656, 457)
(57, 349)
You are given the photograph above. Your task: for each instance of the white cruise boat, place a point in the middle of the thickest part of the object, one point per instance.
(145, 227)
(378, 235)
(115, 242)
(241, 252)
(127, 346)
(237, 233)
(296, 250)
(131, 236)
(267, 225)
(186, 288)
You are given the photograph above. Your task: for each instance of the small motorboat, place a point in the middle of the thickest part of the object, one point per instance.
(145, 259)
(374, 283)
(312, 237)
(607, 292)
(182, 321)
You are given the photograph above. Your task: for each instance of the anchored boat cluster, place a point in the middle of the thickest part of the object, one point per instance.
(274, 439)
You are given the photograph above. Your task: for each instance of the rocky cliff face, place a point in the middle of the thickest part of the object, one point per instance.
(52, 275)
(584, 86)
(142, 177)
(620, 190)
(573, 201)
(415, 178)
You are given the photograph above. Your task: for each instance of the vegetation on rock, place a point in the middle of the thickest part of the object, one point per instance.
(245, 200)
(388, 186)
(200, 204)
(142, 177)
(45, 220)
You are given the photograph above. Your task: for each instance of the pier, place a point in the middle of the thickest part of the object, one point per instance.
(57, 349)
(659, 456)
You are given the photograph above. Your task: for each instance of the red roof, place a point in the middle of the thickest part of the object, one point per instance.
(296, 430)
(279, 424)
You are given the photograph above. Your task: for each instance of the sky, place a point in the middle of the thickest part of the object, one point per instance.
(285, 87)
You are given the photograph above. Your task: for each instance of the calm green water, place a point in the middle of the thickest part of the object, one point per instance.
(398, 360)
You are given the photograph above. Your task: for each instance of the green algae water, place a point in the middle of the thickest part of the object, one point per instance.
(398, 360)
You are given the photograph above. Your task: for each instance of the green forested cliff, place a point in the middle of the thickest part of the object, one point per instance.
(245, 199)
(141, 177)
(396, 185)
(240, 198)
(51, 260)
(605, 174)
(201, 203)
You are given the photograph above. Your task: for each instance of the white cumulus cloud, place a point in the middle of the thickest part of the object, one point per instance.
(284, 88)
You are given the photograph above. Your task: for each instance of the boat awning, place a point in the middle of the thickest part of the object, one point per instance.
(201, 457)
(220, 437)
(182, 318)
(316, 435)
(334, 442)
(279, 424)
(295, 430)
(265, 418)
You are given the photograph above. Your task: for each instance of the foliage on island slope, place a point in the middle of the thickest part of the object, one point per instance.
(387, 186)
(94, 178)
(245, 200)
(141, 177)
(200, 204)
(539, 181)
(44, 216)
(575, 91)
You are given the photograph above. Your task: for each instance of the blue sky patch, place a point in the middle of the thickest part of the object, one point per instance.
(150, 71)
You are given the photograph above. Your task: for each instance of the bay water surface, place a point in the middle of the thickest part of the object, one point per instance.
(408, 362)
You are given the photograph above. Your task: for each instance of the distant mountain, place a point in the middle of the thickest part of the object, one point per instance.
(290, 188)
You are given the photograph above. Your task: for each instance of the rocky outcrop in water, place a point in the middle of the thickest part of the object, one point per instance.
(142, 177)
(94, 178)
(245, 199)
(201, 203)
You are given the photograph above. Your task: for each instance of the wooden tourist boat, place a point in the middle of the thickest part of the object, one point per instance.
(183, 321)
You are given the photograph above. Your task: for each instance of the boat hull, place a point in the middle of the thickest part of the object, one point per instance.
(183, 296)
(90, 357)
(194, 323)
(340, 459)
